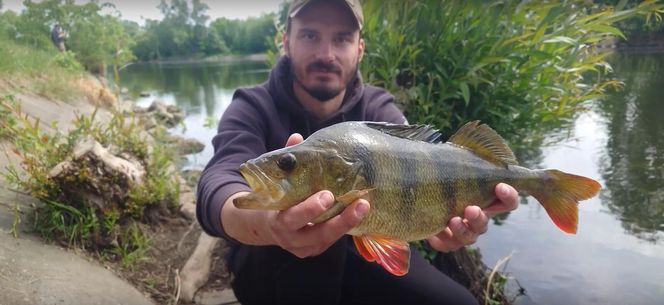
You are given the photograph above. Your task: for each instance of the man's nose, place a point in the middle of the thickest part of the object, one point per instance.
(326, 51)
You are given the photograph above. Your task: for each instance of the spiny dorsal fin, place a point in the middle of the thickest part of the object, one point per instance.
(484, 142)
(424, 133)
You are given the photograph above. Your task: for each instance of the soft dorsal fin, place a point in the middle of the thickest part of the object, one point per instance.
(484, 142)
(424, 133)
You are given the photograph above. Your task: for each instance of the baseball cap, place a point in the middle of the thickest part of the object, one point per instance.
(354, 5)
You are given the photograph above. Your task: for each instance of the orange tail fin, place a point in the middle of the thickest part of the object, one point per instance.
(560, 197)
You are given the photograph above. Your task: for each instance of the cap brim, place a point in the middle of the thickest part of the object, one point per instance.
(348, 5)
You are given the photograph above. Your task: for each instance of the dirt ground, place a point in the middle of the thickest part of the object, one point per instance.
(172, 240)
(171, 244)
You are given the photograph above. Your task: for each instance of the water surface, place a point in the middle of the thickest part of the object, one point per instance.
(617, 257)
(201, 90)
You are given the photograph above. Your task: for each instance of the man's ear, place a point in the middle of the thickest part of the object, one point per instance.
(361, 49)
(285, 44)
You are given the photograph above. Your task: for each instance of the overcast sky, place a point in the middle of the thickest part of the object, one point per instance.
(137, 10)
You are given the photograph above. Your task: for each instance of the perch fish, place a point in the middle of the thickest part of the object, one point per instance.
(414, 182)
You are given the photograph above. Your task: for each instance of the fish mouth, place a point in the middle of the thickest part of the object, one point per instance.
(265, 194)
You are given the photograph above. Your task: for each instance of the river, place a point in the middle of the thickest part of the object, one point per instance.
(617, 256)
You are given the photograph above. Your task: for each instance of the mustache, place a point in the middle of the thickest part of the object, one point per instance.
(321, 65)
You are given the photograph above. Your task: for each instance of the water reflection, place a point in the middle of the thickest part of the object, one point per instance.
(195, 87)
(202, 90)
(620, 143)
(633, 163)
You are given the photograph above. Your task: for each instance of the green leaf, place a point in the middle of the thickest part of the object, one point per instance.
(465, 93)
(608, 29)
(562, 39)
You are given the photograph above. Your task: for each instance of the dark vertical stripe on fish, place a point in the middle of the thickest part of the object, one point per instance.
(408, 185)
(368, 169)
(472, 182)
(482, 179)
(445, 171)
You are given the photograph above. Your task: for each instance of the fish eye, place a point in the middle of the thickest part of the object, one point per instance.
(287, 162)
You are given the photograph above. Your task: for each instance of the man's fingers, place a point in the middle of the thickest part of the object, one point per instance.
(299, 215)
(507, 199)
(295, 138)
(314, 240)
(461, 232)
(476, 220)
(444, 241)
(332, 229)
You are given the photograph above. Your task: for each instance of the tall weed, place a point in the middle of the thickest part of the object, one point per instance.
(520, 66)
(48, 73)
(67, 217)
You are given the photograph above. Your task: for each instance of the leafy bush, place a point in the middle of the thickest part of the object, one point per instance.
(95, 39)
(66, 217)
(7, 24)
(523, 67)
(7, 119)
(520, 66)
(67, 60)
(39, 71)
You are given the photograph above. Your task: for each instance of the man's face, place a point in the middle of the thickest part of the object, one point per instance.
(325, 48)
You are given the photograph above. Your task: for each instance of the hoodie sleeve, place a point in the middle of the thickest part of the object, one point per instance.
(240, 137)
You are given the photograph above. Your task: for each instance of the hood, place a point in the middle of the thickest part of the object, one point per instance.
(280, 82)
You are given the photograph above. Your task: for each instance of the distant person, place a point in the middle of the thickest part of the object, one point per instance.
(58, 37)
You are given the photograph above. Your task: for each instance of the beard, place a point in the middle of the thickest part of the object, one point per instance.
(322, 92)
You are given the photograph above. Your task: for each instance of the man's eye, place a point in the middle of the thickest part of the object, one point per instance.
(343, 39)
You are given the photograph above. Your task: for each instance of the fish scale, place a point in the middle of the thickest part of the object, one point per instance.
(434, 174)
(413, 182)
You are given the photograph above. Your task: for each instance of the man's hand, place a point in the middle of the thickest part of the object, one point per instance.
(461, 232)
(291, 229)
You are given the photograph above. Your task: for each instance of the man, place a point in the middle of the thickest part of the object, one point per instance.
(276, 257)
(58, 37)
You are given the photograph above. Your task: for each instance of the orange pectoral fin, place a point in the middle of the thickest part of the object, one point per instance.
(392, 254)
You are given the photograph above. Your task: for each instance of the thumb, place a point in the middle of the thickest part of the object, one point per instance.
(295, 138)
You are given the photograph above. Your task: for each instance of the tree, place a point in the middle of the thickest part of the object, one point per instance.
(198, 10)
(521, 67)
(35, 22)
(95, 39)
(246, 36)
(8, 22)
(184, 32)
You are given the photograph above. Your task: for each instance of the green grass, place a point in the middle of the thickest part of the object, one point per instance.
(132, 247)
(521, 67)
(65, 216)
(48, 73)
(7, 119)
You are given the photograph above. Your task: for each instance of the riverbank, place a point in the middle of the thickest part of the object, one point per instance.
(36, 271)
(33, 271)
(210, 59)
(648, 43)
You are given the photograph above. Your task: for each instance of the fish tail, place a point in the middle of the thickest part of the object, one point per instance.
(560, 196)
